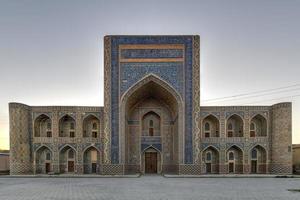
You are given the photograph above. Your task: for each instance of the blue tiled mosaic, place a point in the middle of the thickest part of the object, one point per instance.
(151, 53)
(187, 84)
(170, 72)
(151, 140)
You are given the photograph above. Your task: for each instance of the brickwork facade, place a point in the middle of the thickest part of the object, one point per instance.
(151, 121)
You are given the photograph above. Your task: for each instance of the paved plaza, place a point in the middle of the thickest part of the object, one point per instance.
(148, 187)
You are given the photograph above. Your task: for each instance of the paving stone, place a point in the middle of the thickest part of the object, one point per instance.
(148, 187)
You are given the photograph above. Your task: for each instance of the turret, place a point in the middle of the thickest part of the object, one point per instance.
(281, 150)
(20, 125)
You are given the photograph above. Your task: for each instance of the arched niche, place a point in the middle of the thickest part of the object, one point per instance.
(91, 160)
(67, 126)
(151, 123)
(91, 127)
(210, 127)
(67, 160)
(211, 160)
(43, 160)
(258, 160)
(43, 126)
(234, 160)
(258, 126)
(235, 126)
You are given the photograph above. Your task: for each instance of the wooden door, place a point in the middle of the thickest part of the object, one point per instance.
(208, 168)
(70, 166)
(231, 167)
(150, 162)
(254, 166)
(94, 168)
(47, 168)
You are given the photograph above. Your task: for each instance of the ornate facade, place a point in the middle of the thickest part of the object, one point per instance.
(151, 122)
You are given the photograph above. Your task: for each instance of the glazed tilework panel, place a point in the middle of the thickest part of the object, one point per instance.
(171, 72)
(151, 53)
(151, 140)
(169, 62)
(147, 142)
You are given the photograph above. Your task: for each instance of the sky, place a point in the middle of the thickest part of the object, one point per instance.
(51, 52)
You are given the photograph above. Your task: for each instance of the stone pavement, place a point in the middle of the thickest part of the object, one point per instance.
(148, 187)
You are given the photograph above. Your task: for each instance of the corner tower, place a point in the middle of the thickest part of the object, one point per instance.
(152, 103)
(20, 139)
(281, 142)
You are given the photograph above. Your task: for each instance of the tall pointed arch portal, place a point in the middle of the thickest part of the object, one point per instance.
(151, 95)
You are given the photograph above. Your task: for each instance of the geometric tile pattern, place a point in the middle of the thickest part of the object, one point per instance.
(119, 81)
(190, 169)
(113, 169)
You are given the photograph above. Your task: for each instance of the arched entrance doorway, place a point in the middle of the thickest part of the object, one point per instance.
(151, 115)
(210, 157)
(91, 161)
(67, 160)
(235, 160)
(151, 161)
(43, 160)
(258, 162)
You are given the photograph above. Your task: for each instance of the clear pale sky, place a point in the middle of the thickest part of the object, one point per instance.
(51, 52)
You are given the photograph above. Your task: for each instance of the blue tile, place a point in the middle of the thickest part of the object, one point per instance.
(170, 72)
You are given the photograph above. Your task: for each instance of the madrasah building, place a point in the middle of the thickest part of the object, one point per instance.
(151, 121)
